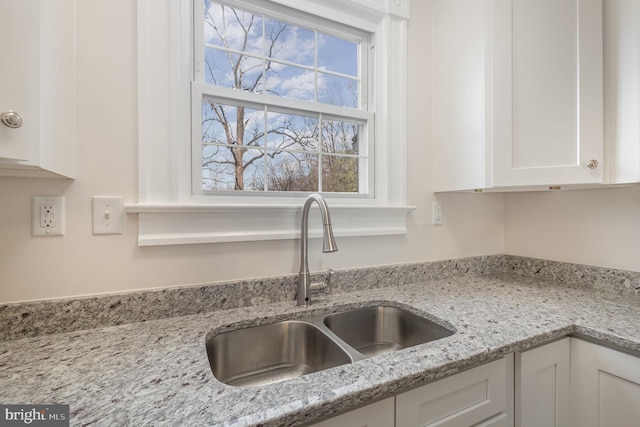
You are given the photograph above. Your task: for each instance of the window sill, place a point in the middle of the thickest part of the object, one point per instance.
(179, 224)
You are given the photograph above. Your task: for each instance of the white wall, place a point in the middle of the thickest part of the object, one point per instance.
(595, 227)
(79, 263)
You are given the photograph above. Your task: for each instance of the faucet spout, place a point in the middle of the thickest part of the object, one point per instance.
(328, 244)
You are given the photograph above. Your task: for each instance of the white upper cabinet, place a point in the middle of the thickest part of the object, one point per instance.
(37, 88)
(547, 92)
(15, 73)
(461, 71)
(517, 93)
(622, 89)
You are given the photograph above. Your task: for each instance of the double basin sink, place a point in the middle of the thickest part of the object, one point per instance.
(274, 352)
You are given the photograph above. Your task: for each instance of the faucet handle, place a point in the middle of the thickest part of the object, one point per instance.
(322, 287)
(317, 288)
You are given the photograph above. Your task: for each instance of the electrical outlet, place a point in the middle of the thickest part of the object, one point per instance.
(47, 216)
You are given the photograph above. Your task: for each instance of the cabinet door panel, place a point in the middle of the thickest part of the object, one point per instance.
(461, 400)
(619, 400)
(542, 386)
(545, 83)
(605, 386)
(548, 113)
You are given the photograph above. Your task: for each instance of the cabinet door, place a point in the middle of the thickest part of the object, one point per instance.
(542, 386)
(547, 92)
(605, 386)
(462, 400)
(461, 95)
(380, 414)
(19, 33)
(622, 88)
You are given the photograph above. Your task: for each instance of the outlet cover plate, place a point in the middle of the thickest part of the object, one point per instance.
(47, 216)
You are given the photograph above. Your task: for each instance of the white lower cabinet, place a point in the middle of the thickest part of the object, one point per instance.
(577, 383)
(605, 386)
(379, 414)
(542, 384)
(569, 382)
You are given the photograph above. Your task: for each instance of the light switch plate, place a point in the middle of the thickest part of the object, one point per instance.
(436, 214)
(47, 215)
(107, 215)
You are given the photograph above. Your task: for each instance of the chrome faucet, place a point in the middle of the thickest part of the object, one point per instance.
(305, 287)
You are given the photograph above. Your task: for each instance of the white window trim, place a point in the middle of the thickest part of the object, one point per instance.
(170, 214)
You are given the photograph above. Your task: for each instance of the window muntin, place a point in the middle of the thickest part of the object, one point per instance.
(300, 122)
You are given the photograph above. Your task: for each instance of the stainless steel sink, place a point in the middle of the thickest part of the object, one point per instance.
(274, 352)
(271, 353)
(382, 329)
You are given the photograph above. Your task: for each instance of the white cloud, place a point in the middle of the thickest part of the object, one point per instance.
(303, 83)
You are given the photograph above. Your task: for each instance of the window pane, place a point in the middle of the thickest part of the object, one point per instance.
(218, 67)
(337, 55)
(252, 170)
(217, 168)
(218, 123)
(340, 137)
(233, 71)
(292, 171)
(339, 174)
(232, 168)
(232, 125)
(292, 132)
(340, 91)
(289, 43)
(232, 28)
(290, 82)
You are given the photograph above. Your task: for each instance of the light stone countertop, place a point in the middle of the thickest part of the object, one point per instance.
(157, 373)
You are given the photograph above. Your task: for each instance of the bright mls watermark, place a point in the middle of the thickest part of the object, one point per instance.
(34, 415)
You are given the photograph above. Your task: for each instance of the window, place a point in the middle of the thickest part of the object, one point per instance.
(317, 103)
(283, 102)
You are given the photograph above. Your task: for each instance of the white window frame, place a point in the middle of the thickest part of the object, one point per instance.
(169, 212)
